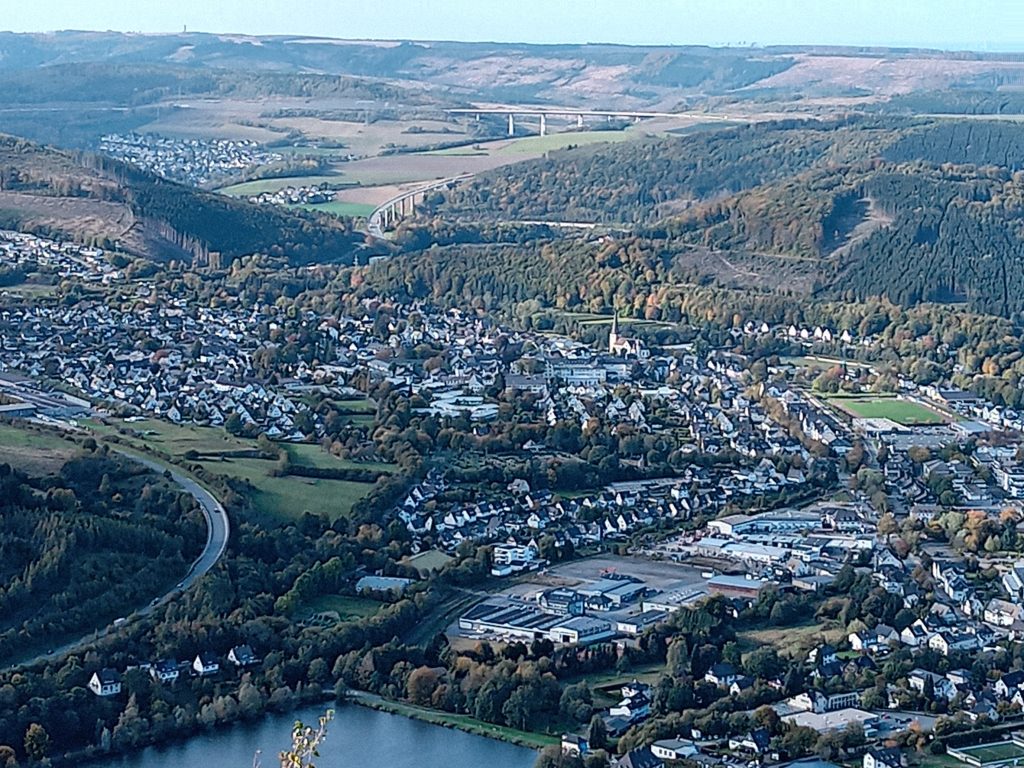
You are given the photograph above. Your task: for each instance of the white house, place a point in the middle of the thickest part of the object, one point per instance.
(205, 664)
(106, 682)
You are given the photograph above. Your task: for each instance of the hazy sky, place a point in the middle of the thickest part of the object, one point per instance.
(979, 24)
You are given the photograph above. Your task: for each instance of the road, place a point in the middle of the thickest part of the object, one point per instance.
(374, 222)
(218, 529)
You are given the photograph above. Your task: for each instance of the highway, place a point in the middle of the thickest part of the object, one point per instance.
(218, 529)
(374, 223)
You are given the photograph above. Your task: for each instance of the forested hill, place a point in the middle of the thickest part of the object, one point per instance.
(911, 211)
(81, 547)
(98, 200)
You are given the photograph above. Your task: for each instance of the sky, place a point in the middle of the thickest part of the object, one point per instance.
(956, 24)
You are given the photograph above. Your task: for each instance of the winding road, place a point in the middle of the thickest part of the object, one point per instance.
(217, 531)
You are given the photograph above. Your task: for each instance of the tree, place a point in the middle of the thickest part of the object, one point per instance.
(597, 733)
(8, 758)
(37, 742)
(306, 742)
(421, 685)
(576, 703)
(233, 424)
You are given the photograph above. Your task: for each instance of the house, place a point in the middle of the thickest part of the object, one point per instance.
(821, 702)
(889, 757)
(1007, 685)
(741, 684)
(634, 708)
(822, 655)
(242, 656)
(164, 671)
(1002, 613)
(574, 744)
(920, 679)
(674, 749)
(755, 742)
(722, 675)
(106, 682)
(916, 634)
(643, 757)
(205, 664)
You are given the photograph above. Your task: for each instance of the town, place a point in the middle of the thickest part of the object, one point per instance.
(198, 162)
(763, 495)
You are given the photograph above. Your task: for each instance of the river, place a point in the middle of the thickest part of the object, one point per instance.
(357, 736)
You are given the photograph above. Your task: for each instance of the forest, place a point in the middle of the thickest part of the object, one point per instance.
(78, 547)
(909, 211)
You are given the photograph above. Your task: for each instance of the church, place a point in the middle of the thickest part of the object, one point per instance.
(621, 346)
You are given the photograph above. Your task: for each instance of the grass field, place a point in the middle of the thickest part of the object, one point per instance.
(272, 185)
(901, 411)
(342, 208)
(275, 499)
(345, 606)
(431, 560)
(33, 452)
(793, 642)
(462, 722)
(994, 753)
(536, 145)
(288, 498)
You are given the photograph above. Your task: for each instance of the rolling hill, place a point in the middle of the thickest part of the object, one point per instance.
(93, 199)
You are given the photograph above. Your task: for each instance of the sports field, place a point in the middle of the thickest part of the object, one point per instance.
(902, 412)
(999, 752)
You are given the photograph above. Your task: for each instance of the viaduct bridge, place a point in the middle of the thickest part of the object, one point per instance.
(391, 211)
(580, 115)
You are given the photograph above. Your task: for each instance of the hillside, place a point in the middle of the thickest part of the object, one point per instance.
(97, 200)
(69, 88)
(911, 211)
(80, 545)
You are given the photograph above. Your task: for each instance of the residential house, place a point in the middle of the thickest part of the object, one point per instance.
(722, 674)
(106, 682)
(164, 671)
(883, 757)
(205, 664)
(242, 656)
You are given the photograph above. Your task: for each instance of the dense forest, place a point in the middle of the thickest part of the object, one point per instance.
(907, 210)
(79, 548)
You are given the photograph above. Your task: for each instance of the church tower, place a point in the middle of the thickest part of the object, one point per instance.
(613, 336)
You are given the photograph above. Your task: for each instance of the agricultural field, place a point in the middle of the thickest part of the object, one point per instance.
(902, 412)
(35, 453)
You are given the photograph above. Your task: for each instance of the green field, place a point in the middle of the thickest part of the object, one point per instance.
(341, 208)
(431, 560)
(275, 499)
(345, 606)
(288, 498)
(902, 412)
(36, 453)
(994, 753)
(536, 145)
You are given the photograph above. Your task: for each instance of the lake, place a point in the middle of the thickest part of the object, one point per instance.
(357, 736)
